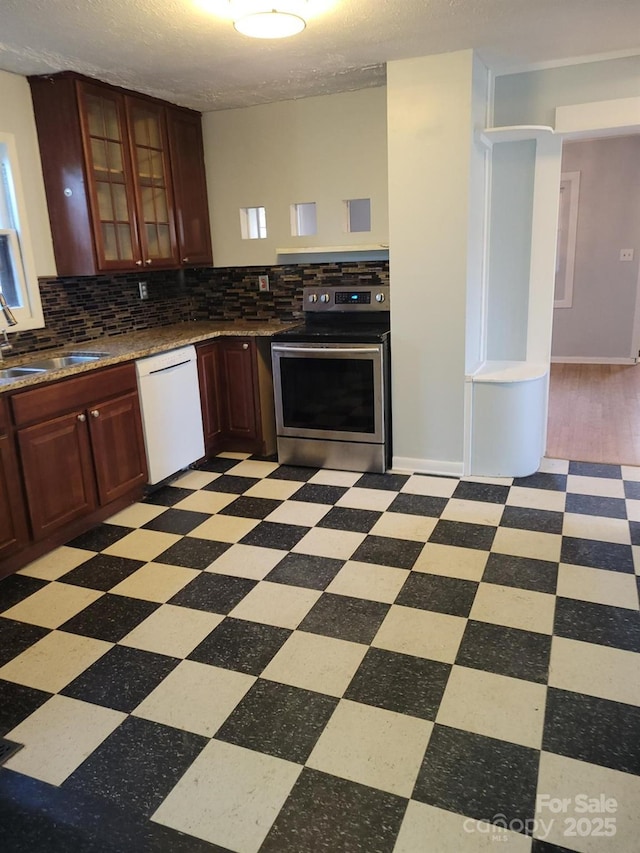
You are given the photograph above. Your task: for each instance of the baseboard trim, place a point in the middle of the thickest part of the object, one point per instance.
(439, 467)
(584, 359)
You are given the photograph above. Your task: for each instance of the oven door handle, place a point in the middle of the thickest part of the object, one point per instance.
(338, 350)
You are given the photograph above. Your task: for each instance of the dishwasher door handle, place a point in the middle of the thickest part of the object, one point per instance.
(169, 367)
(354, 350)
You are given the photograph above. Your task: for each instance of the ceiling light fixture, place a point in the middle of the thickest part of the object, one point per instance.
(272, 19)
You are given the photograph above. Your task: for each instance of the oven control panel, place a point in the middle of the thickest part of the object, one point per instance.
(346, 298)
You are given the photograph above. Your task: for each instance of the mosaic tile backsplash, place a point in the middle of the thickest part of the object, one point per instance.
(77, 310)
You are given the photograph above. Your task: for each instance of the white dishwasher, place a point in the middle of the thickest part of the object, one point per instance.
(171, 413)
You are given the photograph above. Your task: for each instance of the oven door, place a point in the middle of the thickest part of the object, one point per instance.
(329, 391)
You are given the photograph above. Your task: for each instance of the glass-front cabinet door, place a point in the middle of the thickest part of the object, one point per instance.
(149, 151)
(109, 176)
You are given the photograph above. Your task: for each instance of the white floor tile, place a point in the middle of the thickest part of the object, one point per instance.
(324, 542)
(536, 498)
(224, 528)
(631, 472)
(494, 705)
(598, 585)
(155, 582)
(596, 527)
(633, 510)
(422, 633)
(554, 466)
(370, 581)
(171, 630)
(254, 468)
(595, 670)
(452, 561)
(372, 746)
(327, 477)
(54, 661)
(437, 487)
(318, 663)
(204, 501)
(52, 605)
(57, 563)
(375, 499)
(276, 604)
(212, 694)
(247, 561)
(280, 490)
(136, 515)
(59, 736)
(142, 544)
(602, 486)
(473, 512)
(398, 525)
(195, 480)
(527, 543)
(302, 513)
(515, 608)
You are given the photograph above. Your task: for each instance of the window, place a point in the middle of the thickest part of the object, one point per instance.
(358, 214)
(253, 223)
(304, 219)
(18, 281)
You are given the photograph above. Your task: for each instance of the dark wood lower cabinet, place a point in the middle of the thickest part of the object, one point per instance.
(237, 395)
(13, 522)
(117, 442)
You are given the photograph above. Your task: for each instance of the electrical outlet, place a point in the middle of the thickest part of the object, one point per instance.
(263, 283)
(142, 287)
(626, 254)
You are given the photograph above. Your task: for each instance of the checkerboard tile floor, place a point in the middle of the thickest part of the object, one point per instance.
(268, 658)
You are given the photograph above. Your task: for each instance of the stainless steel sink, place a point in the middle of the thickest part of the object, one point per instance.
(67, 360)
(17, 372)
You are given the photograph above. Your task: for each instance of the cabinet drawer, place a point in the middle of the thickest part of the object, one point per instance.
(48, 401)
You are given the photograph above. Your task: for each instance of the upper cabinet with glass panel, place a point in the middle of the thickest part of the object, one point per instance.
(124, 176)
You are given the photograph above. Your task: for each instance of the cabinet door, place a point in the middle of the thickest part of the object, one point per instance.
(210, 393)
(152, 179)
(58, 472)
(190, 188)
(118, 446)
(240, 388)
(107, 158)
(13, 522)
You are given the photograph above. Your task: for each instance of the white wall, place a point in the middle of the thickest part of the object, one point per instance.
(600, 322)
(433, 224)
(324, 149)
(16, 117)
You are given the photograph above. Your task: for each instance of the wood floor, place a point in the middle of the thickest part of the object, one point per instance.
(594, 413)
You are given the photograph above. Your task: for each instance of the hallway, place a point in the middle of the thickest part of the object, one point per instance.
(594, 413)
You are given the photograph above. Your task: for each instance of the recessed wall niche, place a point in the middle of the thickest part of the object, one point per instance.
(253, 223)
(358, 214)
(304, 219)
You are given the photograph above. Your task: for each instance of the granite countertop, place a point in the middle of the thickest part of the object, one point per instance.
(134, 345)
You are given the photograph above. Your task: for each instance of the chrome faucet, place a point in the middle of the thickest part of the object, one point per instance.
(5, 345)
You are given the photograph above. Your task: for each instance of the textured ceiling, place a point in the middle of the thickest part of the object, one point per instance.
(187, 51)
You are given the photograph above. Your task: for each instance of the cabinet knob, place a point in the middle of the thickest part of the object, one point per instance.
(82, 418)
(138, 263)
(245, 346)
(148, 261)
(185, 260)
(95, 413)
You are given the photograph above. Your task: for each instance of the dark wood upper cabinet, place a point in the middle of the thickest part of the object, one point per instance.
(124, 177)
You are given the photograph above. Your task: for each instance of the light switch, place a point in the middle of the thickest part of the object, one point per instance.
(626, 254)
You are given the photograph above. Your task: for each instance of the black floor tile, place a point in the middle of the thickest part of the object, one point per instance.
(632, 489)
(193, 553)
(595, 469)
(387, 551)
(634, 527)
(505, 651)
(167, 495)
(16, 588)
(305, 570)
(462, 534)
(542, 480)
(345, 618)
(540, 520)
(544, 847)
(596, 505)
(231, 485)
(478, 776)
(270, 534)
(618, 627)
(42, 818)
(137, 765)
(218, 465)
(18, 702)
(354, 520)
(521, 572)
(242, 646)
(102, 572)
(213, 592)
(435, 592)
(387, 482)
(596, 554)
(110, 618)
(180, 521)
(487, 492)
(594, 730)
(16, 637)
(121, 678)
(292, 472)
(318, 494)
(279, 720)
(325, 814)
(100, 537)
(418, 505)
(245, 507)
(401, 683)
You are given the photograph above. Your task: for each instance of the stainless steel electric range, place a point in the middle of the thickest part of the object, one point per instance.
(332, 381)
